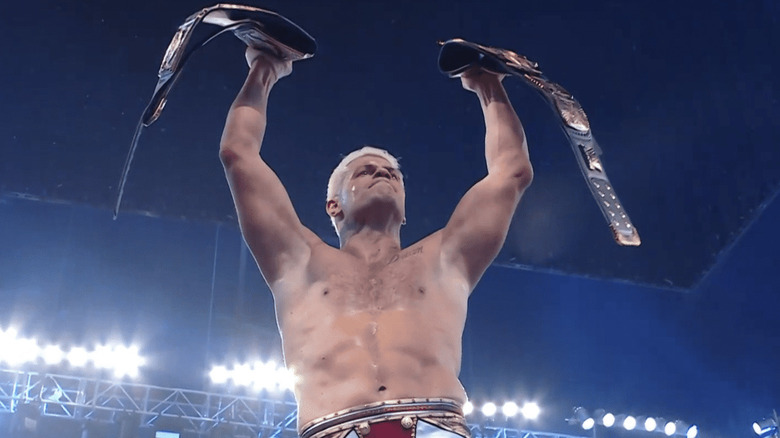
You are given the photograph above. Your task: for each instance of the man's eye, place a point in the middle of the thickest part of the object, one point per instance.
(365, 172)
(395, 176)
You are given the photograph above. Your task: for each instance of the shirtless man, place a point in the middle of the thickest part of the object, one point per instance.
(371, 330)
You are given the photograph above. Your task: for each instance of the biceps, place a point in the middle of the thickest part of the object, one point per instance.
(267, 217)
(478, 227)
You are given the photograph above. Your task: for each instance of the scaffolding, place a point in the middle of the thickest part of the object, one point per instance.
(194, 412)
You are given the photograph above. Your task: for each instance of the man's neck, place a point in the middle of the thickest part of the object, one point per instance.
(371, 245)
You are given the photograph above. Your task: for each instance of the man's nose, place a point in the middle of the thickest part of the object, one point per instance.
(383, 173)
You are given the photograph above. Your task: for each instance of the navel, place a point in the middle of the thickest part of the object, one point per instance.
(382, 388)
(325, 292)
(421, 290)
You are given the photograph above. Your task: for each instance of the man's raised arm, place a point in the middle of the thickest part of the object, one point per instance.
(477, 229)
(271, 228)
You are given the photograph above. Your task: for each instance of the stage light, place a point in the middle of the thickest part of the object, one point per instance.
(127, 361)
(103, 357)
(582, 418)
(766, 427)
(629, 423)
(77, 357)
(531, 411)
(468, 408)
(7, 343)
(15, 351)
(608, 420)
(52, 355)
(264, 376)
(692, 432)
(510, 409)
(670, 428)
(489, 409)
(242, 375)
(219, 375)
(260, 376)
(286, 378)
(20, 351)
(650, 424)
(588, 424)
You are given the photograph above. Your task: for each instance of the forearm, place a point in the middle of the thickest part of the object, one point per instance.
(506, 149)
(246, 119)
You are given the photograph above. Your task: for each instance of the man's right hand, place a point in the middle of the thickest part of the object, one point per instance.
(279, 68)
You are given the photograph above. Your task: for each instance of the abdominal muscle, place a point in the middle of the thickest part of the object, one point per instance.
(344, 356)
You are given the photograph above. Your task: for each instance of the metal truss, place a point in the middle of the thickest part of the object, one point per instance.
(91, 399)
(478, 431)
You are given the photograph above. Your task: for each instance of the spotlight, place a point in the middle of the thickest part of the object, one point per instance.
(650, 424)
(7, 344)
(263, 375)
(766, 427)
(510, 409)
(77, 357)
(52, 355)
(242, 375)
(103, 357)
(629, 423)
(588, 424)
(286, 378)
(531, 411)
(608, 419)
(17, 351)
(127, 361)
(468, 408)
(219, 375)
(692, 432)
(489, 409)
(670, 428)
(582, 418)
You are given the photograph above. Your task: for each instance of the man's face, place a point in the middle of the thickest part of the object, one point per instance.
(372, 182)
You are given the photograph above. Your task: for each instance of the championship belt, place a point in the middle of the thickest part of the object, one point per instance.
(457, 56)
(262, 29)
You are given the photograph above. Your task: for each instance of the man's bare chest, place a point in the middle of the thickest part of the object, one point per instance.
(352, 285)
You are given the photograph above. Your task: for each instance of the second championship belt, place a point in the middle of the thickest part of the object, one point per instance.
(457, 56)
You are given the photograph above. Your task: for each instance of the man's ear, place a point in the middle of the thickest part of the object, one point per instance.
(333, 208)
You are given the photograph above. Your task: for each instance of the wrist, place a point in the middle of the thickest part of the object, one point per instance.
(263, 74)
(489, 90)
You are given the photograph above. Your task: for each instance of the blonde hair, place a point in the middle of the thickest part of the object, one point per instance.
(339, 174)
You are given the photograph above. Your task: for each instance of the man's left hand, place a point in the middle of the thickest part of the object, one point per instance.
(476, 77)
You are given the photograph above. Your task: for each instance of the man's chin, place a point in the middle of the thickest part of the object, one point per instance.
(383, 202)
